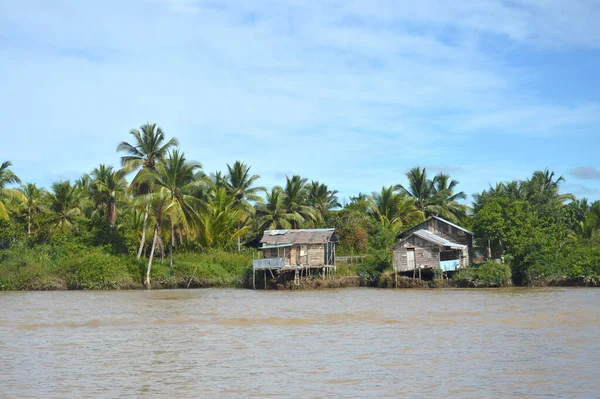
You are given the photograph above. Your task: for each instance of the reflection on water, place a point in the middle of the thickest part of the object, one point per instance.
(513, 343)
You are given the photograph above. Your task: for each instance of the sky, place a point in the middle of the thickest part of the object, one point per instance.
(350, 93)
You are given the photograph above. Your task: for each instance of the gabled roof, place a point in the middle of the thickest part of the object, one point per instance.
(452, 224)
(299, 236)
(435, 239)
(437, 218)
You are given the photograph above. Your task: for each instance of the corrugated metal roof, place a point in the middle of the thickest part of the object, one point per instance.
(435, 239)
(275, 246)
(453, 225)
(298, 236)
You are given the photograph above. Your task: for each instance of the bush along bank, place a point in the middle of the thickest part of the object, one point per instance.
(71, 266)
(68, 265)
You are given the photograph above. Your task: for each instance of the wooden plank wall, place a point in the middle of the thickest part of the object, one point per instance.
(316, 254)
(426, 254)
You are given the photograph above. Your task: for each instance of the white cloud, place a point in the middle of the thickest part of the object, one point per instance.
(353, 91)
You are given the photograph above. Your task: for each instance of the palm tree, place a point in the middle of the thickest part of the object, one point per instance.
(220, 222)
(240, 185)
(149, 148)
(67, 203)
(435, 197)
(272, 213)
(33, 202)
(295, 201)
(321, 199)
(157, 204)
(175, 177)
(394, 210)
(543, 188)
(8, 177)
(107, 187)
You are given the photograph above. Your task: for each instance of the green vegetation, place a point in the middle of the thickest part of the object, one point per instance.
(68, 264)
(489, 274)
(162, 221)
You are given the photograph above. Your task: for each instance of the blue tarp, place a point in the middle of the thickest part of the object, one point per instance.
(446, 265)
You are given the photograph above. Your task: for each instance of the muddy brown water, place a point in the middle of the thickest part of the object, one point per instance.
(222, 343)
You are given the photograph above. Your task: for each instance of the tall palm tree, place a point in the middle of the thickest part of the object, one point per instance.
(175, 177)
(321, 199)
(157, 205)
(107, 187)
(240, 185)
(148, 148)
(295, 200)
(33, 202)
(272, 213)
(67, 204)
(419, 187)
(8, 177)
(543, 188)
(394, 210)
(435, 197)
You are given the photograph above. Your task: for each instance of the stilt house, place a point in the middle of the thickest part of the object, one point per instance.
(434, 244)
(299, 251)
(304, 248)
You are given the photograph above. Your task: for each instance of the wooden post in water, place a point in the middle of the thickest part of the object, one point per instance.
(396, 275)
(253, 278)
(265, 276)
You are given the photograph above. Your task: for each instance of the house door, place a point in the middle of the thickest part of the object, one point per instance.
(410, 259)
(303, 255)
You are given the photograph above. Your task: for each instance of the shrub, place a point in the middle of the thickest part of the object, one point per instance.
(489, 274)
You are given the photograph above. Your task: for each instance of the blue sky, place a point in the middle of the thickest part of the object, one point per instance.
(350, 93)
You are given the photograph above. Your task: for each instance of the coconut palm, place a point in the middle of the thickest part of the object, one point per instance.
(543, 188)
(107, 187)
(8, 177)
(435, 197)
(148, 148)
(240, 185)
(158, 206)
(394, 210)
(66, 204)
(321, 199)
(272, 214)
(175, 177)
(33, 203)
(295, 201)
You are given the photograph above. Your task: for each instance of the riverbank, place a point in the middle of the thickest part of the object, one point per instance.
(73, 267)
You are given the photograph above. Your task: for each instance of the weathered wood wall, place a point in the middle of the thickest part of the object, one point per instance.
(426, 254)
(316, 254)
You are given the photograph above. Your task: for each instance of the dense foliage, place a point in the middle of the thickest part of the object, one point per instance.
(106, 229)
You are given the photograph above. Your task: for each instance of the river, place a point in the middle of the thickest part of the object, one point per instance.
(227, 343)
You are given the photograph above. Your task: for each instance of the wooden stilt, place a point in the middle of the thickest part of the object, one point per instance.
(265, 277)
(396, 275)
(253, 278)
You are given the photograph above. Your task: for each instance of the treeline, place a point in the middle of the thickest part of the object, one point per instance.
(172, 207)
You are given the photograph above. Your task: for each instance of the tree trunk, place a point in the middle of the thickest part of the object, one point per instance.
(111, 213)
(143, 241)
(172, 243)
(147, 282)
(29, 222)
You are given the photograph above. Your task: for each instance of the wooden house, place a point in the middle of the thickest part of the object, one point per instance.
(297, 250)
(434, 244)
